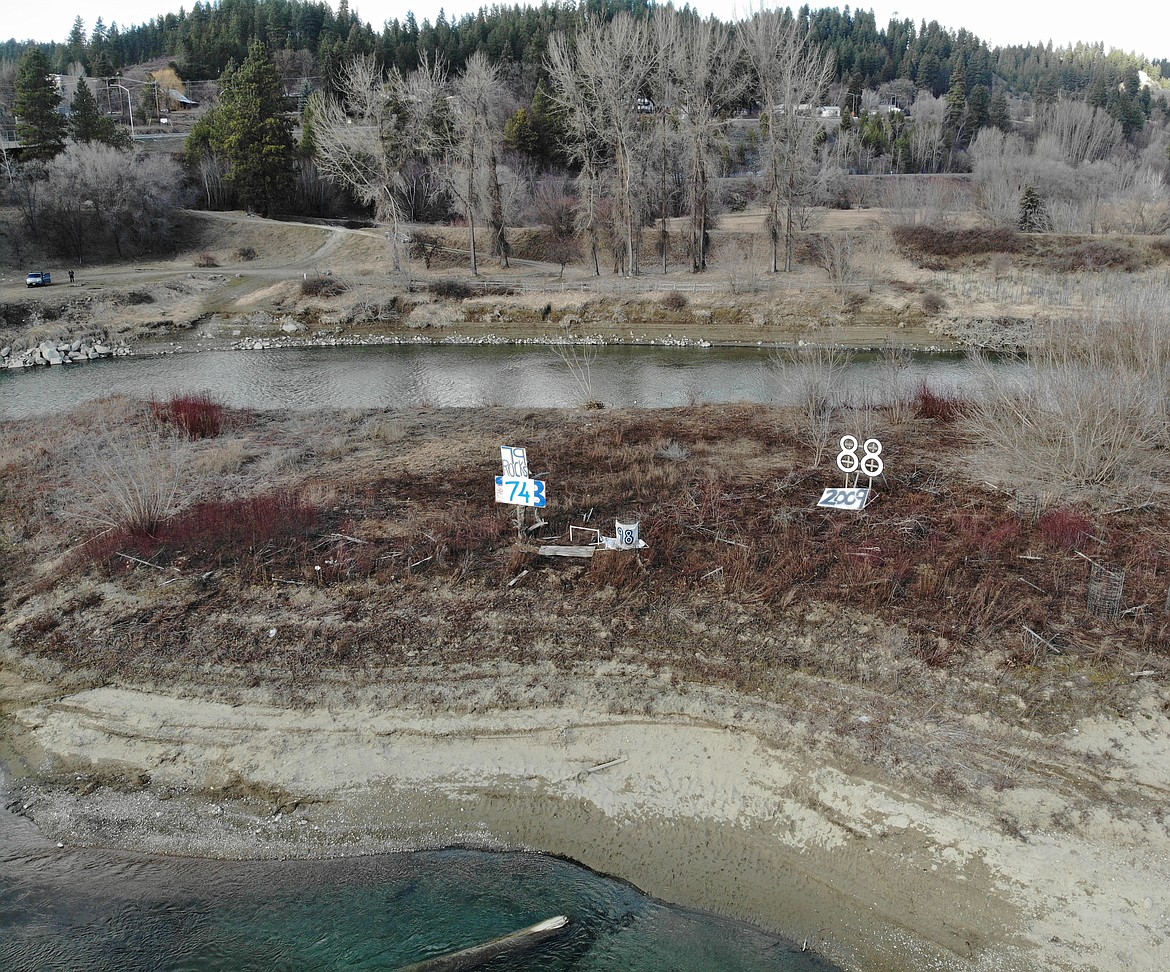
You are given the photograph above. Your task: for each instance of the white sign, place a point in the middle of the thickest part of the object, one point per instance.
(854, 466)
(871, 463)
(514, 461)
(844, 499)
(520, 491)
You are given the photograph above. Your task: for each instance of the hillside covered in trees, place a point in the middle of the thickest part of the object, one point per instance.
(600, 122)
(204, 39)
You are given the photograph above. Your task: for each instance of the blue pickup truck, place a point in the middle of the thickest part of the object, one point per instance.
(35, 279)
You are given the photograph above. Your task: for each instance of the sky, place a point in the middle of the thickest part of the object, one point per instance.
(1142, 26)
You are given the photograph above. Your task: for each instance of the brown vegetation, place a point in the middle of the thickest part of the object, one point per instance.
(392, 556)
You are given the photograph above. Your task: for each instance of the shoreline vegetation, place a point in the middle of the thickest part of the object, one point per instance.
(928, 736)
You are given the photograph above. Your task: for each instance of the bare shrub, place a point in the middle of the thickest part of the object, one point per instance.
(834, 253)
(1080, 421)
(246, 254)
(1099, 255)
(578, 361)
(322, 287)
(206, 259)
(132, 478)
(930, 241)
(674, 301)
(1065, 529)
(815, 380)
(450, 289)
(425, 246)
(219, 533)
(933, 302)
(930, 404)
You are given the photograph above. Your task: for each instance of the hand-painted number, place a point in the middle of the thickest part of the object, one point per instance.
(844, 499)
(520, 492)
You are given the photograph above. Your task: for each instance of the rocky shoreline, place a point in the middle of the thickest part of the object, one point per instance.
(48, 353)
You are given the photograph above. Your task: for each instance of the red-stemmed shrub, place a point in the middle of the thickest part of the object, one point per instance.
(1065, 529)
(275, 527)
(196, 416)
(930, 404)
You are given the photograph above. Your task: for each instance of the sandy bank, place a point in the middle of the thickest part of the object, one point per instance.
(709, 802)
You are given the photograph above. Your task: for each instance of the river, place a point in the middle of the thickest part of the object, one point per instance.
(404, 376)
(66, 909)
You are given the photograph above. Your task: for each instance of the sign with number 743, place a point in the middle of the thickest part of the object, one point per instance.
(520, 492)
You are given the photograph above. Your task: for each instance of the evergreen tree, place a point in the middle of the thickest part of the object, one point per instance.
(956, 110)
(1033, 218)
(75, 47)
(978, 110)
(40, 127)
(998, 112)
(87, 123)
(248, 131)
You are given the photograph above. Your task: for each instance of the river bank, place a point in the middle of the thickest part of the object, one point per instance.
(900, 736)
(706, 799)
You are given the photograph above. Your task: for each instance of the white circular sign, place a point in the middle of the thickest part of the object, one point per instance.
(871, 463)
(847, 457)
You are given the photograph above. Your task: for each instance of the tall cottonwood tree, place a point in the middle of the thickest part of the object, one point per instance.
(790, 77)
(703, 74)
(367, 137)
(40, 127)
(598, 76)
(468, 146)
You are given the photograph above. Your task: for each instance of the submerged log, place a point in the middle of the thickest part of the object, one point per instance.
(477, 955)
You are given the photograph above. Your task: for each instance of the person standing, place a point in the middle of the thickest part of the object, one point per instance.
(71, 276)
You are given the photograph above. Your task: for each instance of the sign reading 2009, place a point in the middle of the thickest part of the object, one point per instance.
(854, 496)
(515, 487)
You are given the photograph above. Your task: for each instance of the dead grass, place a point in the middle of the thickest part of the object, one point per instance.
(405, 552)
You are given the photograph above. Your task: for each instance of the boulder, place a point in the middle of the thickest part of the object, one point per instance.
(102, 350)
(75, 345)
(5, 352)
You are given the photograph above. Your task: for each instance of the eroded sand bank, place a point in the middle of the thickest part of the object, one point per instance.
(709, 802)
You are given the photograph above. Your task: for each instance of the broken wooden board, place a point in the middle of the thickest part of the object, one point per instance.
(566, 551)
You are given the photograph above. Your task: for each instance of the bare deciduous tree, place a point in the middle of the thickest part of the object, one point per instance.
(1082, 132)
(469, 147)
(698, 65)
(1001, 168)
(790, 77)
(95, 196)
(927, 147)
(554, 208)
(365, 139)
(597, 76)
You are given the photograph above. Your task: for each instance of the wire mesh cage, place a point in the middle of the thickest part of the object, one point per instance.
(1027, 506)
(1105, 589)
